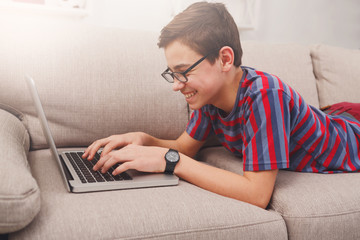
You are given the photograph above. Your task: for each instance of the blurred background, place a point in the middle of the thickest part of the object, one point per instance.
(333, 22)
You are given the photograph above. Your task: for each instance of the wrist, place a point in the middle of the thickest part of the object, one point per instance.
(146, 139)
(172, 157)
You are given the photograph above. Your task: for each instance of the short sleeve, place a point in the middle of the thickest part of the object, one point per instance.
(199, 126)
(267, 131)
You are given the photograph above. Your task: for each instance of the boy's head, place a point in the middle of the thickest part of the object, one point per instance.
(205, 28)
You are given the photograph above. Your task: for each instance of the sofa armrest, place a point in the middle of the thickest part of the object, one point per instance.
(19, 192)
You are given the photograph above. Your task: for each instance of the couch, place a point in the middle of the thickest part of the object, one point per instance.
(97, 81)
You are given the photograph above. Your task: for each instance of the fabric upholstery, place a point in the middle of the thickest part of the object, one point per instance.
(93, 82)
(318, 206)
(290, 62)
(221, 158)
(19, 192)
(338, 74)
(314, 206)
(178, 212)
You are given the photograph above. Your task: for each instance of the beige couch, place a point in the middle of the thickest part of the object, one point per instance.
(95, 82)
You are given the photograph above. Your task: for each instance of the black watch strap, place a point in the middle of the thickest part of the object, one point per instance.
(172, 157)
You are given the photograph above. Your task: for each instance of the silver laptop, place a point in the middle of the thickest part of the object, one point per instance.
(78, 174)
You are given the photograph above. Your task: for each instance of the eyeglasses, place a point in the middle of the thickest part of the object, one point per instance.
(181, 76)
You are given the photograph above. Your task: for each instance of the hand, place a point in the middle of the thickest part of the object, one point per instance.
(113, 142)
(140, 158)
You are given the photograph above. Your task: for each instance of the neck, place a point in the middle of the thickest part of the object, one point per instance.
(230, 91)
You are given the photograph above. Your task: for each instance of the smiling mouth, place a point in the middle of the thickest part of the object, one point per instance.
(189, 95)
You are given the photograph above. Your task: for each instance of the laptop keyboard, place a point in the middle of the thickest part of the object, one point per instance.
(84, 169)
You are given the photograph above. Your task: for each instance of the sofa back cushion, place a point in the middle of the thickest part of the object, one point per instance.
(19, 192)
(290, 62)
(338, 74)
(93, 82)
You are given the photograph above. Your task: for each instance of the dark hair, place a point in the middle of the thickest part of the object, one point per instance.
(205, 28)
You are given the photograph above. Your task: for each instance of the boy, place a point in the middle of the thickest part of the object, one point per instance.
(253, 114)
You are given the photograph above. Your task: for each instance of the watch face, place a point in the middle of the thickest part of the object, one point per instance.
(172, 156)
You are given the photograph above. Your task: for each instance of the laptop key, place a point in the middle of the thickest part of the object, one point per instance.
(84, 169)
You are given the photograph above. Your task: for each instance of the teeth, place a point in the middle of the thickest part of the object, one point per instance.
(190, 94)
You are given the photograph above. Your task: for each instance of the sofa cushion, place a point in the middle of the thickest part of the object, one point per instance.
(179, 212)
(93, 82)
(338, 74)
(220, 157)
(318, 206)
(290, 62)
(314, 206)
(19, 192)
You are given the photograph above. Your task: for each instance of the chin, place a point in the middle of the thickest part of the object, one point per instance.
(195, 107)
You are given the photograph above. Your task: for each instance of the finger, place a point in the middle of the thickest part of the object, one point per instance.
(111, 161)
(101, 162)
(96, 146)
(87, 151)
(109, 147)
(122, 168)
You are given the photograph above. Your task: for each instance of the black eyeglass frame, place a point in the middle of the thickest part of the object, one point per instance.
(173, 74)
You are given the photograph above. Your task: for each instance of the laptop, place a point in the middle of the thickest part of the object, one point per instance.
(78, 174)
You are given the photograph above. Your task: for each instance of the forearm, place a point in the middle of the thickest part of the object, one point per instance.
(223, 182)
(153, 141)
(184, 144)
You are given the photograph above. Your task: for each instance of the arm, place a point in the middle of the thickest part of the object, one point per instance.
(184, 144)
(254, 187)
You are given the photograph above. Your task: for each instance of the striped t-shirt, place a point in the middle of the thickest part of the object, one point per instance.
(271, 127)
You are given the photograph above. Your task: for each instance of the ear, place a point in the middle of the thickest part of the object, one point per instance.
(226, 56)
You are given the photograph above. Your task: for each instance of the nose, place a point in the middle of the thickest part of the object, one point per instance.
(177, 85)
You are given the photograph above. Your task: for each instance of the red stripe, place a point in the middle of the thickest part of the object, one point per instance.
(284, 130)
(206, 132)
(308, 133)
(347, 156)
(253, 142)
(356, 138)
(280, 83)
(198, 121)
(303, 163)
(316, 143)
(358, 147)
(265, 81)
(303, 120)
(228, 137)
(333, 151)
(308, 156)
(269, 131)
(296, 148)
(232, 123)
(326, 143)
(313, 167)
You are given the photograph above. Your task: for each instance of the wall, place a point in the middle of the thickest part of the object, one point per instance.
(334, 22)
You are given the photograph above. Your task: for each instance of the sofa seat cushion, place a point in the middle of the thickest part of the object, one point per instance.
(19, 192)
(220, 157)
(318, 206)
(182, 212)
(314, 206)
(338, 74)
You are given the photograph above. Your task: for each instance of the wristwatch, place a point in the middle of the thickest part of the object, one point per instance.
(172, 157)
